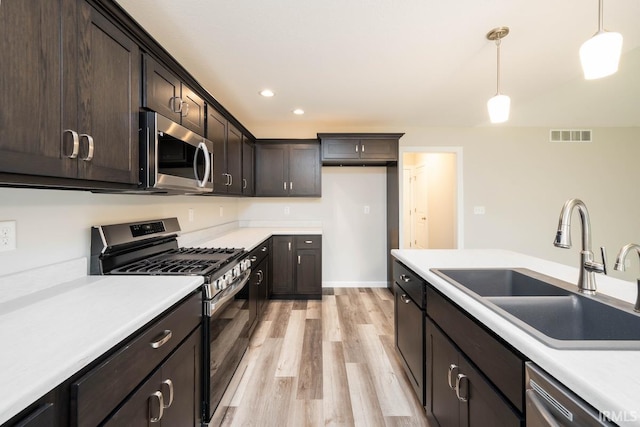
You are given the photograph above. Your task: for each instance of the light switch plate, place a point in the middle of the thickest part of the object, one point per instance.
(7, 236)
(478, 210)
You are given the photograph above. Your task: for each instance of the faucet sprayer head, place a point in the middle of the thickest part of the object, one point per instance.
(619, 265)
(622, 255)
(563, 236)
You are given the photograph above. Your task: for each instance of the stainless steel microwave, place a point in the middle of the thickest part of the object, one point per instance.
(173, 158)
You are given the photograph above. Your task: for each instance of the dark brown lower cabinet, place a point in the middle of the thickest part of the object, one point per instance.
(171, 396)
(296, 267)
(459, 395)
(409, 319)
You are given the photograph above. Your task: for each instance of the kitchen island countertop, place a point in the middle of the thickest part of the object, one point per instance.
(608, 380)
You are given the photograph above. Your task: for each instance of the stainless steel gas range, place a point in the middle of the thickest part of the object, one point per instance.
(151, 248)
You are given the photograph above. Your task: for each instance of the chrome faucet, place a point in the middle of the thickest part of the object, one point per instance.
(586, 278)
(622, 255)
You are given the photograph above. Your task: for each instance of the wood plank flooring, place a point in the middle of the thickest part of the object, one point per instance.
(323, 363)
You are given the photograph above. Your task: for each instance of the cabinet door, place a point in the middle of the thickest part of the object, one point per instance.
(308, 272)
(304, 170)
(282, 265)
(217, 134)
(193, 110)
(379, 149)
(409, 331)
(181, 375)
(484, 407)
(340, 149)
(248, 165)
(442, 402)
(234, 160)
(272, 169)
(161, 90)
(258, 293)
(108, 75)
(31, 40)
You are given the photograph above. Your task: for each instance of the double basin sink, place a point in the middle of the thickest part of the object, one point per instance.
(551, 310)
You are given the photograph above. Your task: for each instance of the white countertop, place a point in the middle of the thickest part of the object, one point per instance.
(250, 237)
(54, 333)
(608, 380)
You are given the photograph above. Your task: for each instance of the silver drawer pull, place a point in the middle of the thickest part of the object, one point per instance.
(253, 259)
(459, 379)
(166, 336)
(264, 249)
(308, 242)
(169, 384)
(405, 278)
(405, 299)
(452, 367)
(157, 395)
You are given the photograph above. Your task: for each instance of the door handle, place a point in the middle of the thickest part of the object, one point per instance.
(299, 260)
(405, 278)
(158, 396)
(185, 113)
(90, 145)
(173, 100)
(405, 299)
(207, 164)
(169, 384)
(459, 379)
(76, 143)
(289, 244)
(244, 183)
(452, 367)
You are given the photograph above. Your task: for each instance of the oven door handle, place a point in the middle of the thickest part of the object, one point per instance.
(213, 305)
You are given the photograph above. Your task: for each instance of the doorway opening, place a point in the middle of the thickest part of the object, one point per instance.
(431, 198)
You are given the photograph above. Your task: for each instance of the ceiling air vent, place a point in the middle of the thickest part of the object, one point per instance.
(570, 135)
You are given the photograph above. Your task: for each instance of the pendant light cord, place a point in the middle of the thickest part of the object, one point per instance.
(600, 16)
(498, 67)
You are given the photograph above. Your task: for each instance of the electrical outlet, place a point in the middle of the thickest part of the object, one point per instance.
(478, 210)
(7, 236)
(287, 210)
(191, 215)
(367, 209)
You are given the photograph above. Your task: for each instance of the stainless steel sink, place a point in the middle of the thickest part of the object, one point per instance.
(550, 310)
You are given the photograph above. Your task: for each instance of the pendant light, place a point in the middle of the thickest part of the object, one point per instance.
(600, 54)
(498, 105)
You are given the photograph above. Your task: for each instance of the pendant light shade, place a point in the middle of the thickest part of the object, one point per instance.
(600, 55)
(500, 104)
(498, 107)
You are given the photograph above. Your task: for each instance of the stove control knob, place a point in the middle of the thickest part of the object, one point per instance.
(228, 277)
(236, 271)
(245, 264)
(220, 284)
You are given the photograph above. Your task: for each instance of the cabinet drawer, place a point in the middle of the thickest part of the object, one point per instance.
(308, 242)
(410, 283)
(260, 252)
(500, 364)
(98, 392)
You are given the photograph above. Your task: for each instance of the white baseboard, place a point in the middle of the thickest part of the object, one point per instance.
(354, 284)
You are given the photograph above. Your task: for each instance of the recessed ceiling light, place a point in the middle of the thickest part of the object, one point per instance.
(298, 111)
(267, 93)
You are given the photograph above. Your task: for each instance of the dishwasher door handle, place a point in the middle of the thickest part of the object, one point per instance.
(537, 413)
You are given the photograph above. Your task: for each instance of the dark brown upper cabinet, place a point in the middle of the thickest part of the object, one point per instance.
(288, 168)
(73, 80)
(358, 149)
(227, 155)
(248, 166)
(166, 94)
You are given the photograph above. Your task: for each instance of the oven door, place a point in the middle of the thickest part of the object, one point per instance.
(226, 335)
(174, 158)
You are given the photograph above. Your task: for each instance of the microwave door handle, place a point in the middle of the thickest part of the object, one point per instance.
(207, 164)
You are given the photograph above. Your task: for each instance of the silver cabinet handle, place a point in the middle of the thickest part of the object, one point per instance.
(264, 249)
(452, 367)
(357, 145)
(169, 384)
(184, 113)
(285, 185)
(541, 409)
(160, 398)
(363, 148)
(176, 104)
(244, 183)
(91, 147)
(289, 246)
(291, 186)
(459, 379)
(162, 340)
(260, 277)
(253, 259)
(207, 164)
(299, 260)
(405, 299)
(405, 278)
(230, 179)
(308, 242)
(76, 143)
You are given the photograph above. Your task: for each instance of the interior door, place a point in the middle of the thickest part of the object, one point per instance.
(407, 208)
(420, 206)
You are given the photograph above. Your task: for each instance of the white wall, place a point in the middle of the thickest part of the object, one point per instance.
(353, 243)
(54, 225)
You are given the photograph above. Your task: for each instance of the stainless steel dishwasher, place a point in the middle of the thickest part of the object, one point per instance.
(549, 403)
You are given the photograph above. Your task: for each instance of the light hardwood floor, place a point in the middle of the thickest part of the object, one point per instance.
(330, 362)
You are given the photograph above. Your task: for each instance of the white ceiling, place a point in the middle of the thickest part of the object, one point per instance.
(395, 64)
